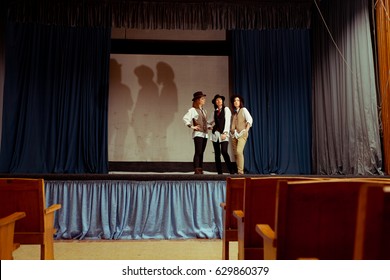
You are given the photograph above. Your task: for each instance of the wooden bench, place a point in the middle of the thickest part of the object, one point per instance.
(372, 240)
(28, 195)
(7, 229)
(233, 200)
(314, 220)
(258, 207)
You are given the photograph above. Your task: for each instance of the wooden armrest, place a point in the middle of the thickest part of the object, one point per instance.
(239, 215)
(52, 208)
(16, 246)
(12, 218)
(223, 205)
(266, 232)
(268, 236)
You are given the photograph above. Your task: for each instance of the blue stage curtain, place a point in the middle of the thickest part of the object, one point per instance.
(272, 71)
(55, 99)
(137, 209)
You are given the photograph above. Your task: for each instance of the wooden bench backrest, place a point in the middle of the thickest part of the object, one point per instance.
(372, 240)
(24, 195)
(385, 244)
(234, 200)
(317, 219)
(259, 205)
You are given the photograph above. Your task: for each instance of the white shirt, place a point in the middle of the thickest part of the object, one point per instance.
(216, 136)
(189, 116)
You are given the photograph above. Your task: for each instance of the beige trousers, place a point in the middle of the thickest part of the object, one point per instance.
(238, 146)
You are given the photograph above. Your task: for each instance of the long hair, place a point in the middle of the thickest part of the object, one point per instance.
(241, 101)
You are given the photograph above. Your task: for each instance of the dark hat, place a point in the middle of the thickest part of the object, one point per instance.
(197, 95)
(218, 96)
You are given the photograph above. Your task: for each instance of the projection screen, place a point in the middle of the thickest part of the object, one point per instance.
(148, 96)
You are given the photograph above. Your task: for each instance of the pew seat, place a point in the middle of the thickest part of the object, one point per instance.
(372, 239)
(233, 200)
(314, 220)
(258, 207)
(7, 229)
(28, 195)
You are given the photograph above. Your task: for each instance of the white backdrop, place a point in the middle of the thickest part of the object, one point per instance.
(148, 97)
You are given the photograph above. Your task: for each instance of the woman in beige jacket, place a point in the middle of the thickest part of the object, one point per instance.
(240, 125)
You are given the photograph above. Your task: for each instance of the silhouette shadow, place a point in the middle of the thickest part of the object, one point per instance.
(169, 103)
(121, 103)
(146, 114)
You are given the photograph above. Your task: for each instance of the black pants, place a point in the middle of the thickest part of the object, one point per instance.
(200, 145)
(222, 147)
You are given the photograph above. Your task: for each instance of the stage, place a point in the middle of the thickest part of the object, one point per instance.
(129, 205)
(133, 206)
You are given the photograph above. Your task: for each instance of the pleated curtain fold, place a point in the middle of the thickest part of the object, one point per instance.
(191, 15)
